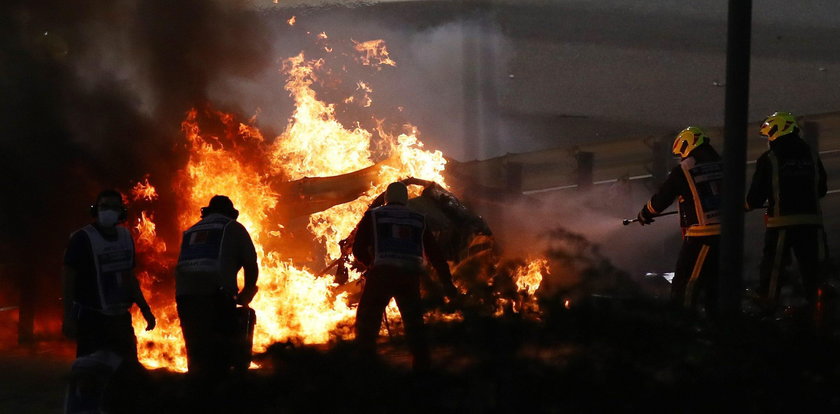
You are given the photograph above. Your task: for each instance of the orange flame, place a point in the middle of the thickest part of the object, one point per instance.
(293, 302)
(529, 277)
(146, 235)
(374, 53)
(144, 191)
(364, 90)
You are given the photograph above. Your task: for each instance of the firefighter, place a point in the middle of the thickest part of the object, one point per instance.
(391, 242)
(695, 182)
(99, 283)
(791, 179)
(212, 252)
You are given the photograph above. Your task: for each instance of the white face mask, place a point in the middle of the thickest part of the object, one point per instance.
(107, 218)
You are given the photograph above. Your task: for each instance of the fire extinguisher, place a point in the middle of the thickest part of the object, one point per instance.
(246, 319)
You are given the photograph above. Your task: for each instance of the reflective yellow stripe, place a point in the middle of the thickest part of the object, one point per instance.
(695, 274)
(794, 220)
(650, 208)
(777, 265)
(699, 231)
(698, 207)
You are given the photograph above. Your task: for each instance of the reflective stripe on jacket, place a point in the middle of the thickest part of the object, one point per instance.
(201, 246)
(695, 183)
(113, 261)
(397, 237)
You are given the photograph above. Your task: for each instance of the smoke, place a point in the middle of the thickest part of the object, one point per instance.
(582, 232)
(426, 87)
(92, 96)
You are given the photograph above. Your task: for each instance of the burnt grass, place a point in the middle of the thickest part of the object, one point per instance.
(605, 354)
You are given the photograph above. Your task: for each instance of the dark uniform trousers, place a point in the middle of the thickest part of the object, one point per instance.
(808, 244)
(208, 323)
(381, 284)
(696, 272)
(97, 331)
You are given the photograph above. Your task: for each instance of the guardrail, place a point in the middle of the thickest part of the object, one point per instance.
(644, 177)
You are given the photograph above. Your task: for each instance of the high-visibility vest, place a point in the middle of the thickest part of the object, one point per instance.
(398, 237)
(201, 245)
(704, 181)
(113, 261)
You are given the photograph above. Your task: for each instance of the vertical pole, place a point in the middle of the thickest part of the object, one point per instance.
(489, 100)
(734, 155)
(585, 170)
(469, 83)
(659, 166)
(513, 176)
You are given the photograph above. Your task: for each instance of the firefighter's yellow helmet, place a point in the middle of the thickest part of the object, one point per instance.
(777, 125)
(689, 139)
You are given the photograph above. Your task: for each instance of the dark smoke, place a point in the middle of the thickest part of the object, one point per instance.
(92, 97)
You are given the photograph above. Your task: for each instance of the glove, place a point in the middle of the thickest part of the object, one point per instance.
(244, 297)
(151, 322)
(645, 217)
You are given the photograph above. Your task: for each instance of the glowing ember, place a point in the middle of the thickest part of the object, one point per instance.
(291, 21)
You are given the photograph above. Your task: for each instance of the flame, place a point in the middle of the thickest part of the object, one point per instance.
(293, 302)
(374, 53)
(364, 90)
(529, 277)
(144, 191)
(292, 20)
(147, 236)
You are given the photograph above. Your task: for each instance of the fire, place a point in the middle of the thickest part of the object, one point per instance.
(293, 302)
(364, 90)
(529, 277)
(291, 21)
(146, 235)
(374, 53)
(315, 144)
(144, 191)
